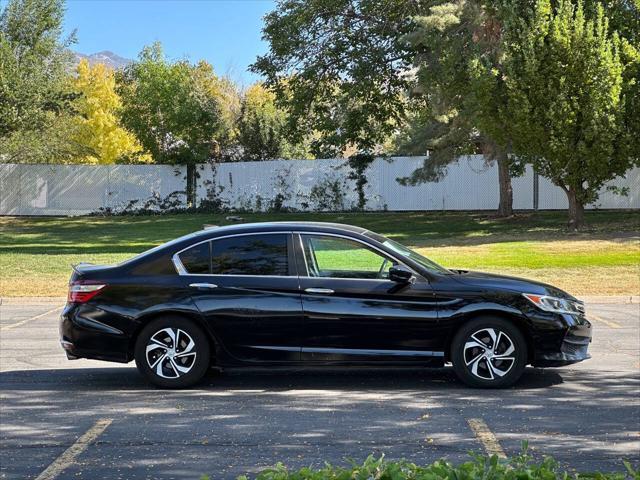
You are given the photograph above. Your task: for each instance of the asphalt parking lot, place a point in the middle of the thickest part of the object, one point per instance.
(587, 416)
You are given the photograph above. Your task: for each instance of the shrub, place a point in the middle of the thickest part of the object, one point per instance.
(521, 467)
(328, 195)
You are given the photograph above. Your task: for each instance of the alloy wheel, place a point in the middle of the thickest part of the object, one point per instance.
(171, 353)
(489, 353)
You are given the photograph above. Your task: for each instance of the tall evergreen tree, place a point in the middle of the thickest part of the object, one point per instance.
(458, 46)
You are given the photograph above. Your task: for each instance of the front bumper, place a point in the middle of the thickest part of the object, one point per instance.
(573, 347)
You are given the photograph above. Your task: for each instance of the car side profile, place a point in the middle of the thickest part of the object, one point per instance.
(304, 293)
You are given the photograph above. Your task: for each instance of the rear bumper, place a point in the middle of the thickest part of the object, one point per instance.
(573, 347)
(84, 337)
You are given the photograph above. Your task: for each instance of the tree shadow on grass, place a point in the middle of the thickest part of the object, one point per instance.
(134, 234)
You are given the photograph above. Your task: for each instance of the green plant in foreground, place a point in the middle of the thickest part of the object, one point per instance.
(520, 467)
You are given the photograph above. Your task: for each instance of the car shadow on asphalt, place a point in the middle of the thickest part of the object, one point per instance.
(316, 378)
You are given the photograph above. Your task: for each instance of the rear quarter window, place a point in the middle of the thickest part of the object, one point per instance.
(160, 265)
(196, 260)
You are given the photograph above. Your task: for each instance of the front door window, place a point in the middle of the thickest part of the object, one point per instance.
(337, 257)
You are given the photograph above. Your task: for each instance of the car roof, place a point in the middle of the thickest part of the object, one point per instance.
(238, 228)
(279, 226)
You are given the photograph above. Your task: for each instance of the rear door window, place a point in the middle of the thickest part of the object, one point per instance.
(251, 255)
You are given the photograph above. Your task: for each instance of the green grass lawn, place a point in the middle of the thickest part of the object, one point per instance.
(36, 253)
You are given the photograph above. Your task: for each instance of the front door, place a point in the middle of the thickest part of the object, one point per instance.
(353, 312)
(249, 295)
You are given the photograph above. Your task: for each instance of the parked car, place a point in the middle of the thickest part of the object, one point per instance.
(302, 293)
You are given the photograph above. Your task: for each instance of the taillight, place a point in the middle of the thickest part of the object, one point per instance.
(81, 292)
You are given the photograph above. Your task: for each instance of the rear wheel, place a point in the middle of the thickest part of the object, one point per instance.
(489, 352)
(172, 352)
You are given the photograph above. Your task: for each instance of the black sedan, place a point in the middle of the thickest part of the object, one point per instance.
(302, 293)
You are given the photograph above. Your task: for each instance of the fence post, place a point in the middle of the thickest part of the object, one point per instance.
(536, 190)
(106, 204)
(21, 208)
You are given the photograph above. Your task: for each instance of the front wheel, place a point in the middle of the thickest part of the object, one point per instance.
(172, 352)
(489, 352)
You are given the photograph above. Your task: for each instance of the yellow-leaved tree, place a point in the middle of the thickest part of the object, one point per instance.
(99, 128)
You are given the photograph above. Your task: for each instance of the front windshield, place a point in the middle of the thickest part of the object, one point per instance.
(407, 252)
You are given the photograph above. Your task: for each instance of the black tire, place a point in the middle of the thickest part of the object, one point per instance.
(189, 362)
(479, 366)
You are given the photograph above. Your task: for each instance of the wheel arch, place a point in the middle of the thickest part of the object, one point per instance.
(519, 321)
(143, 321)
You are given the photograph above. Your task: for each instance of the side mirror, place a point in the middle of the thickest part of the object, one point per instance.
(401, 274)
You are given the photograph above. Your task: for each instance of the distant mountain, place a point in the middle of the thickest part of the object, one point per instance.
(108, 58)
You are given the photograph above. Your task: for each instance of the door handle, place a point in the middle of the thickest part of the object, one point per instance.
(203, 285)
(322, 291)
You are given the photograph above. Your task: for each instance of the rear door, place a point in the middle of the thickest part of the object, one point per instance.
(353, 312)
(249, 294)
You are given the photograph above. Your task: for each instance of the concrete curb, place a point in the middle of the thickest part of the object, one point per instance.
(617, 299)
(31, 300)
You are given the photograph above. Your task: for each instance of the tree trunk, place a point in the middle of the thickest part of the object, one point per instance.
(505, 207)
(191, 185)
(576, 210)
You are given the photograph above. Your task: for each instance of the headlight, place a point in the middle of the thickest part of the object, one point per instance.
(555, 305)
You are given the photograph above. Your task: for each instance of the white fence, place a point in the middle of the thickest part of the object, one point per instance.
(470, 184)
(82, 189)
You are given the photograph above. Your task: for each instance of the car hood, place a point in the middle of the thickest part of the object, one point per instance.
(492, 281)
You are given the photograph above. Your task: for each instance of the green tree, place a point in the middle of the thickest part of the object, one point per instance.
(262, 127)
(337, 67)
(52, 143)
(35, 99)
(347, 68)
(171, 110)
(574, 100)
(164, 104)
(623, 16)
(229, 100)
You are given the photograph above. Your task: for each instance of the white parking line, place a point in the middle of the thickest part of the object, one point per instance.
(69, 455)
(608, 323)
(486, 437)
(17, 324)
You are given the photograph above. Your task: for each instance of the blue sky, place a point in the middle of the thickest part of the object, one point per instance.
(224, 32)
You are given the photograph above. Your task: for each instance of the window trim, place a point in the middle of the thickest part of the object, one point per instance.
(182, 271)
(292, 255)
(357, 240)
